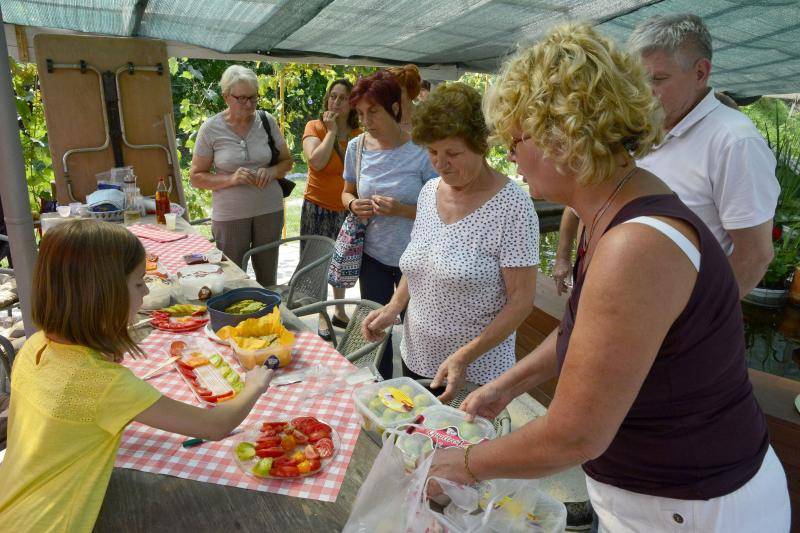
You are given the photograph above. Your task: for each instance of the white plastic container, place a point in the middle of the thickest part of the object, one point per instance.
(448, 428)
(379, 410)
(193, 278)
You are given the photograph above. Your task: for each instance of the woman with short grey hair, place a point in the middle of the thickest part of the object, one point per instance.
(239, 156)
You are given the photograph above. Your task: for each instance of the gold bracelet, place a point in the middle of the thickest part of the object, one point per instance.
(475, 480)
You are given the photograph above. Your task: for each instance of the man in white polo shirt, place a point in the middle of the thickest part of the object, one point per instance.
(713, 157)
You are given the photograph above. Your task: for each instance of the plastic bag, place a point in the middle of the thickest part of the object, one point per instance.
(501, 505)
(391, 500)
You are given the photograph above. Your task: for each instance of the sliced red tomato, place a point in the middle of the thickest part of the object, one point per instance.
(276, 451)
(189, 373)
(268, 442)
(317, 435)
(311, 452)
(303, 422)
(324, 448)
(226, 396)
(284, 471)
(315, 464)
(269, 432)
(284, 460)
(273, 426)
(183, 365)
(300, 438)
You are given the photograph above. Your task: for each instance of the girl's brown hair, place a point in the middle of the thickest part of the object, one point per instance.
(352, 116)
(80, 286)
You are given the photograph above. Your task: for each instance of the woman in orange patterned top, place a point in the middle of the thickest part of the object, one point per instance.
(324, 144)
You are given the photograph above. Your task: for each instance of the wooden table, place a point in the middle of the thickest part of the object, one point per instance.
(141, 501)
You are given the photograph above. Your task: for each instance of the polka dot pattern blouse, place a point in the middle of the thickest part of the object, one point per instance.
(455, 281)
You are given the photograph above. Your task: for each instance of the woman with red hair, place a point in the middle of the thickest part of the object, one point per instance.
(384, 189)
(410, 84)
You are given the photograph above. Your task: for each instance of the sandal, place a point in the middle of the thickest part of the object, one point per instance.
(339, 323)
(325, 334)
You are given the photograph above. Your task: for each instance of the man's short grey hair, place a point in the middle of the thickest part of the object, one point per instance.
(685, 35)
(237, 74)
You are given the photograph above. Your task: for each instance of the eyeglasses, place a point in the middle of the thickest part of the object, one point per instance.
(245, 99)
(512, 148)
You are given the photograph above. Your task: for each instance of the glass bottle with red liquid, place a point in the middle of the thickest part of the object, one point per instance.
(162, 201)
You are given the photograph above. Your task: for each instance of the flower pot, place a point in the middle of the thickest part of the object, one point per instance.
(766, 297)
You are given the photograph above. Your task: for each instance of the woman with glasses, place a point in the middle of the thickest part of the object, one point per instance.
(653, 396)
(236, 159)
(324, 145)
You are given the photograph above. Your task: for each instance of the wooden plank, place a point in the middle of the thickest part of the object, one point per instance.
(73, 109)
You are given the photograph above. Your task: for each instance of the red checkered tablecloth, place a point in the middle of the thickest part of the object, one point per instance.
(170, 254)
(152, 450)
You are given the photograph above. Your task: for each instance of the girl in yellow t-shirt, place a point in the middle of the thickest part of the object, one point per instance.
(71, 398)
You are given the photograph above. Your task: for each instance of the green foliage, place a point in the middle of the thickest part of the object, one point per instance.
(33, 133)
(498, 155)
(782, 130)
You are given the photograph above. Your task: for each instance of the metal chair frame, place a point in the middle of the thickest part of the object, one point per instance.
(361, 354)
(301, 270)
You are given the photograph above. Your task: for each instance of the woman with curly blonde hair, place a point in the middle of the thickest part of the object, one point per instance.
(653, 395)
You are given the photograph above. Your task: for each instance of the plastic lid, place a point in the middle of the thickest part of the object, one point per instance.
(453, 427)
(393, 402)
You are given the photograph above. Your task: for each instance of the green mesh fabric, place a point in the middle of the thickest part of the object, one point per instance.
(756, 43)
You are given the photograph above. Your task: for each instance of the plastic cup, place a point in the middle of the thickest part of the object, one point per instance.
(74, 207)
(63, 210)
(170, 219)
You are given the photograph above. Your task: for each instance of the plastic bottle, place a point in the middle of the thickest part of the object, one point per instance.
(162, 201)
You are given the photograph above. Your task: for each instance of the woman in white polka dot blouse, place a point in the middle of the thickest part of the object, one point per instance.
(469, 272)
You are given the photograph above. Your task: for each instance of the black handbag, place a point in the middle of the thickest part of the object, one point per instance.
(287, 186)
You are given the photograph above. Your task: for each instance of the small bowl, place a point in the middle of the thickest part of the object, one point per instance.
(217, 304)
(63, 210)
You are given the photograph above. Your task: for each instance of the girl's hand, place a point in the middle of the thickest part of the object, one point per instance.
(362, 207)
(329, 120)
(487, 401)
(258, 379)
(453, 370)
(387, 206)
(373, 328)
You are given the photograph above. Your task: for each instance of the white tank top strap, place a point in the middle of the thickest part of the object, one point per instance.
(676, 236)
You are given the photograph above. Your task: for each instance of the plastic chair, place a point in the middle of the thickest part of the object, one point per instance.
(352, 343)
(6, 362)
(309, 282)
(9, 298)
(501, 423)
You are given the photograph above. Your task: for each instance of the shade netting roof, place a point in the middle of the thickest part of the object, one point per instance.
(756, 43)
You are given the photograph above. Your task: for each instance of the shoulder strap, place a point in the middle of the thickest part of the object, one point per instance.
(359, 150)
(273, 150)
(688, 248)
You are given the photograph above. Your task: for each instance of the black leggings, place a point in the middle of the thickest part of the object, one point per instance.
(378, 282)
